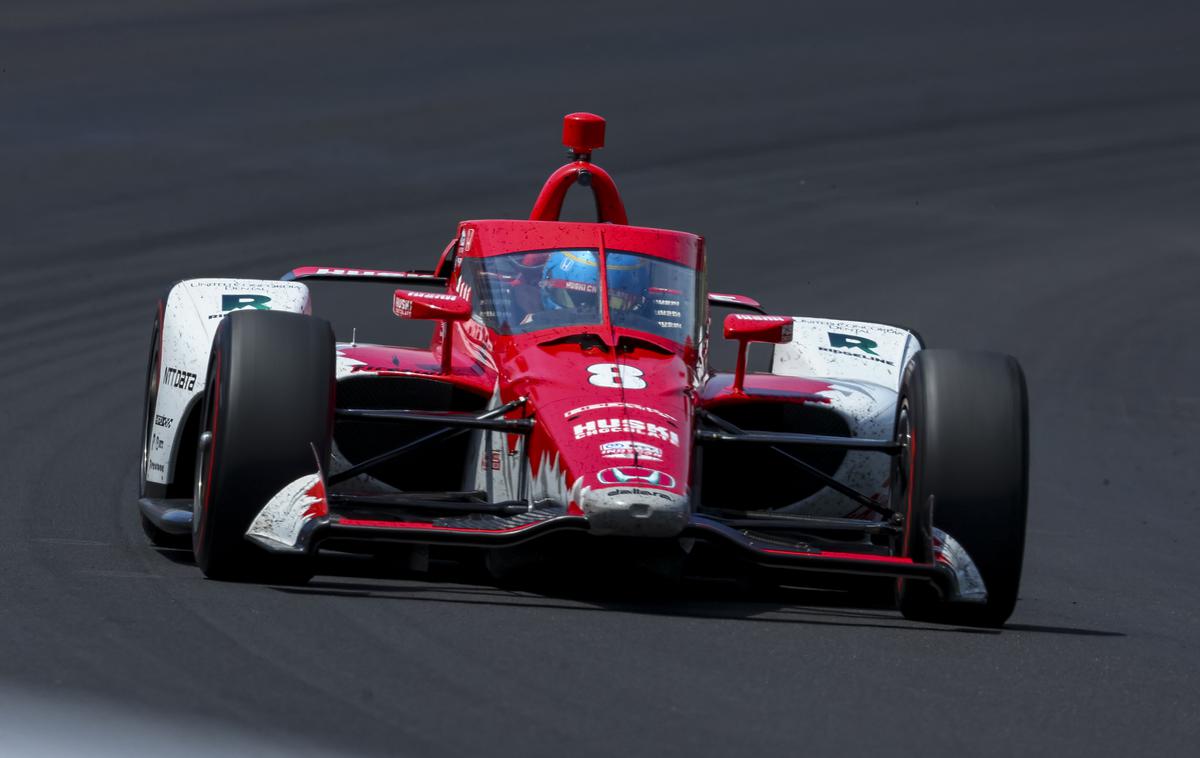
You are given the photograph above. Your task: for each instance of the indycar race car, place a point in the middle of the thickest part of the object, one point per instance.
(567, 398)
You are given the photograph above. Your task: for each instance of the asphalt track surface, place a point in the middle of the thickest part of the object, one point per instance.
(1020, 177)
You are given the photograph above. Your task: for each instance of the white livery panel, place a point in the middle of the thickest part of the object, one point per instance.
(854, 350)
(864, 364)
(193, 310)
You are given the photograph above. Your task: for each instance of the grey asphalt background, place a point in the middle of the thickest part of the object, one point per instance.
(1014, 176)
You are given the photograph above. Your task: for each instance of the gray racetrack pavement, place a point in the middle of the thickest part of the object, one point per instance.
(1013, 176)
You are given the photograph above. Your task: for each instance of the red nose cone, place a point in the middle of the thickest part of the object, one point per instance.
(583, 132)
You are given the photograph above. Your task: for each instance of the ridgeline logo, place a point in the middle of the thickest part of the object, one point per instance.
(849, 341)
(237, 302)
(845, 344)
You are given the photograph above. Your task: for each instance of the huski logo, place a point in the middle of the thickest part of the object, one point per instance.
(626, 426)
(636, 475)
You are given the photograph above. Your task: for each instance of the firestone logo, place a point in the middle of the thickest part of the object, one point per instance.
(636, 475)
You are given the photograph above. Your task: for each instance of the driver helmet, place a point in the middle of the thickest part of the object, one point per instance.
(571, 279)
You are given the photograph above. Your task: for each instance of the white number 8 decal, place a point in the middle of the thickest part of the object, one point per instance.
(615, 375)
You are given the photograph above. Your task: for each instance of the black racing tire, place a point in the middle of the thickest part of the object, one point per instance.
(964, 420)
(269, 403)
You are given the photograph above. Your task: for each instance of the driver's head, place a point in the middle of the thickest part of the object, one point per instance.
(571, 279)
(628, 280)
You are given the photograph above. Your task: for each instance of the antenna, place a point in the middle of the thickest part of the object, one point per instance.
(354, 336)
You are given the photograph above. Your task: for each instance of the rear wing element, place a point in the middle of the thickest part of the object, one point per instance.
(737, 302)
(324, 273)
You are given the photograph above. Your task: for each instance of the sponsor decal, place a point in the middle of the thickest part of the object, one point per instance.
(238, 302)
(636, 476)
(256, 283)
(402, 307)
(466, 239)
(490, 462)
(616, 375)
(179, 379)
(361, 272)
(156, 443)
(164, 421)
(631, 450)
(638, 492)
(845, 344)
(158, 467)
(626, 426)
(631, 406)
(758, 317)
(850, 341)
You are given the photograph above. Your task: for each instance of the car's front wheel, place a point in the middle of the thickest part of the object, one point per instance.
(267, 421)
(963, 420)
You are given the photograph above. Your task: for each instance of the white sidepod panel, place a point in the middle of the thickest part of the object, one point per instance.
(193, 310)
(864, 365)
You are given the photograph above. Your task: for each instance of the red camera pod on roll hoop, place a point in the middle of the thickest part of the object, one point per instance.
(583, 133)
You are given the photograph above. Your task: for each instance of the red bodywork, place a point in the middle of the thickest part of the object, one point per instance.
(613, 409)
(587, 419)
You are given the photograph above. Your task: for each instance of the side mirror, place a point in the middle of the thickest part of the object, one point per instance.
(434, 306)
(430, 306)
(747, 328)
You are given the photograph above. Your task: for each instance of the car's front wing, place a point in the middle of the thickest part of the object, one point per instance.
(952, 572)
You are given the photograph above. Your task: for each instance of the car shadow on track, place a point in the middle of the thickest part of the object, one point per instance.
(358, 577)
(690, 598)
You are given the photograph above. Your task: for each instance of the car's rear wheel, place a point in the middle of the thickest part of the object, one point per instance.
(267, 421)
(963, 417)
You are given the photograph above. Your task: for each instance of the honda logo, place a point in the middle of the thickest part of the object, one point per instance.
(636, 475)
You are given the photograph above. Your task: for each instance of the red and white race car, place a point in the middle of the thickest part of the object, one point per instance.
(567, 398)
